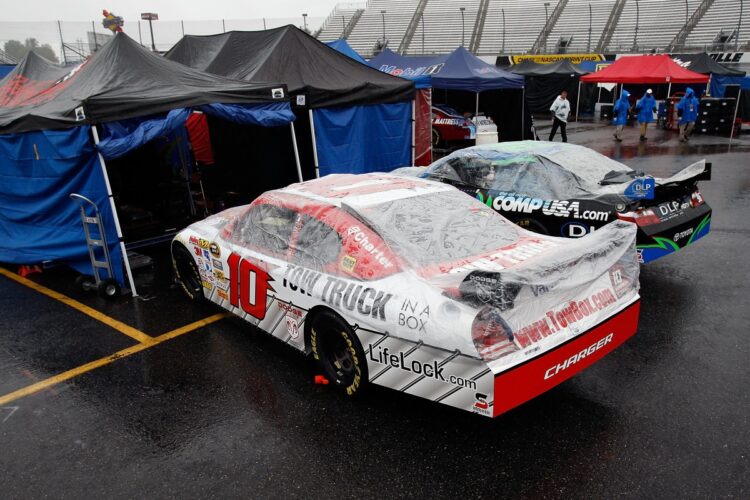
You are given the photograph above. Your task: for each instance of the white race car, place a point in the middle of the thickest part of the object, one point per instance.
(411, 284)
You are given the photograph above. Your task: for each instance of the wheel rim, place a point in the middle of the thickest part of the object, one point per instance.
(110, 290)
(338, 357)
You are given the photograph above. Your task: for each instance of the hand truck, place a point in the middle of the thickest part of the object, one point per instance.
(107, 287)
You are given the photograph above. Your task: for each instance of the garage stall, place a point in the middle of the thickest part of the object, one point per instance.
(110, 129)
(350, 117)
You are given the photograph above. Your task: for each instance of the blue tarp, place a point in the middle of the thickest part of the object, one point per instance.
(719, 83)
(5, 69)
(38, 220)
(374, 138)
(459, 70)
(119, 138)
(343, 46)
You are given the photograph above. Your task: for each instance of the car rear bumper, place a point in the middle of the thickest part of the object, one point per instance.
(662, 239)
(538, 375)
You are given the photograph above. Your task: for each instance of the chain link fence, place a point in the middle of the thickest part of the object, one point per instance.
(73, 41)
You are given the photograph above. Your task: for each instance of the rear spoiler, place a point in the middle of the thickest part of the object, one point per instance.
(698, 171)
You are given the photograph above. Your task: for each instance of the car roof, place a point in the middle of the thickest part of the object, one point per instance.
(579, 160)
(361, 190)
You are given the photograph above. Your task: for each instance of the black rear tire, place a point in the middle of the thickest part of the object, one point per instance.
(187, 274)
(338, 353)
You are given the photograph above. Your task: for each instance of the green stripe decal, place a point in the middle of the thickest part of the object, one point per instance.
(704, 222)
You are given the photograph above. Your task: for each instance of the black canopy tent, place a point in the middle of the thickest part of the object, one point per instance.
(46, 113)
(544, 82)
(318, 77)
(704, 64)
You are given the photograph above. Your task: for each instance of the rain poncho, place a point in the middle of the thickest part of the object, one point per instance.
(621, 109)
(689, 107)
(646, 106)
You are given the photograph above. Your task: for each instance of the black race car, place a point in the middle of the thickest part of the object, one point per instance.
(567, 190)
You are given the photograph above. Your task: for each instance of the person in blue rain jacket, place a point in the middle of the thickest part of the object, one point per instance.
(687, 108)
(646, 106)
(620, 112)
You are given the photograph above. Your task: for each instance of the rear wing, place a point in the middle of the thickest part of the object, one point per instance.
(698, 171)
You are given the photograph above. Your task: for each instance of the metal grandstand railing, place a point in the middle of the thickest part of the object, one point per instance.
(416, 19)
(540, 45)
(476, 34)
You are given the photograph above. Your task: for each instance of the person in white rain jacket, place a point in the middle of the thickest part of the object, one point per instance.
(560, 111)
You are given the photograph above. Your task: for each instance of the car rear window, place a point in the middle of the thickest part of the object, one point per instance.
(439, 227)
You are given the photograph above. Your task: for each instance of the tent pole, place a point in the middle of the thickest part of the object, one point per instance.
(578, 98)
(296, 151)
(734, 120)
(523, 114)
(599, 96)
(669, 89)
(314, 144)
(708, 85)
(414, 130)
(476, 107)
(125, 259)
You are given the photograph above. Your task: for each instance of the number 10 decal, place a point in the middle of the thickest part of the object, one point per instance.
(249, 286)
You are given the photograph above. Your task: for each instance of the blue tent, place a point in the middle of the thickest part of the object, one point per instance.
(459, 70)
(462, 71)
(5, 69)
(343, 46)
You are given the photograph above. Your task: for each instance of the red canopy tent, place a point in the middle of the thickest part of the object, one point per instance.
(645, 69)
(657, 68)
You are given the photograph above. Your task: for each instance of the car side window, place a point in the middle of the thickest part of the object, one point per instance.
(538, 178)
(266, 226)
(318, 245)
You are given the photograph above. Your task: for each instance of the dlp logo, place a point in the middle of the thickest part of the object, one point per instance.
(575, 230)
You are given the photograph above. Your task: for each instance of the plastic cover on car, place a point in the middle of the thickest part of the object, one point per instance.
(489, 288)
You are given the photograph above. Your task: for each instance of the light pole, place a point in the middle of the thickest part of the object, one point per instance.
(503, 49)
(304, 22)
(637, 19)
(588, 46)
(382, 14)
(546, 22)
(463, 27)
(422, 16)
(150, 16)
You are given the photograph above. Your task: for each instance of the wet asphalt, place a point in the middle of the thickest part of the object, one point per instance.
(227, 412)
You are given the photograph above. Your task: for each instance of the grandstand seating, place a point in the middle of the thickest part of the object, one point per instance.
(722, 15)
(658, 23)
(574, 22)
(369, 29)
(524, 19)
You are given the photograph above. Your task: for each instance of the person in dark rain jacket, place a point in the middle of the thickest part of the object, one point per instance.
(646, 106)
(620, 112)
(687, 108)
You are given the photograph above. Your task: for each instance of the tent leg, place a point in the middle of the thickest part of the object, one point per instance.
(296, 152)
(734, 120)
(669, 89)
(708, 85)
(476, 107)
(578, 98)
(314, 143)
(599, 96)
(413, 130)
(523, 114)
(125, 259)
(429, 104)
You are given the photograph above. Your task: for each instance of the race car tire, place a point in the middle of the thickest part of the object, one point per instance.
(187, 274)
(436, 139)
(338, 353)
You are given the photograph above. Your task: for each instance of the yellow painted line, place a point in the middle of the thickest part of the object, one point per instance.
(93, 365)
(89, 311)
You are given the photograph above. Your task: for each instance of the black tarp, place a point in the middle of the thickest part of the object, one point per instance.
(702, 63)
(122, 80)
(544, 82)
(308, 67)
